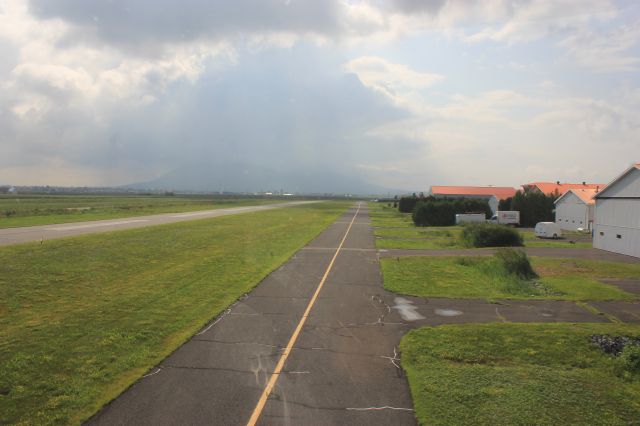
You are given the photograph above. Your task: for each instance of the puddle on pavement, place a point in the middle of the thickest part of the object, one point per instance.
(406, 309)
(447, 312)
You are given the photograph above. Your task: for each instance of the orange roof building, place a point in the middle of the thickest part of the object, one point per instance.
(493, 194)
(552, 188)
(500, 192)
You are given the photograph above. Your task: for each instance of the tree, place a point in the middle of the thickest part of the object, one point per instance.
(534, 207)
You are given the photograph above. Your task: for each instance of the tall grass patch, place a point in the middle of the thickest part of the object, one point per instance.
(505, 276)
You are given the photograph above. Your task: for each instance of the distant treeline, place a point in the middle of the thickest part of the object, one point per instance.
(533, 206)
(431, 211)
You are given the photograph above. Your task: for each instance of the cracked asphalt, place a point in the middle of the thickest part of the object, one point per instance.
(344, 368)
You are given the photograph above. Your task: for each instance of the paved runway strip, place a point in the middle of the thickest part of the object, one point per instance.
(43, 233)
(343, 369)
(344, 366)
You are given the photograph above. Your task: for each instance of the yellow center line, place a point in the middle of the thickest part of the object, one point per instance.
(285, 354)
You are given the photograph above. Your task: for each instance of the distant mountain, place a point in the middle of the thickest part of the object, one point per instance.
(249, 178)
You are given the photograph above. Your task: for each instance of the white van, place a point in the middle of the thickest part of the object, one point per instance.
(548, 230)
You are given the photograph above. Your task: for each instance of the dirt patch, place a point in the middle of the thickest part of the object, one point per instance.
(614, 344)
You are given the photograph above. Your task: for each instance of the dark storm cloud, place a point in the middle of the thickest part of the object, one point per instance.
(417, 6)
(126, 22)
(288, 109)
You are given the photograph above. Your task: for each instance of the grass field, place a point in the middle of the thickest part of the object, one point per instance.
(484, 278)
(384, 216)
(29, 210)
(81, 319)
(519, 374)
(395, 230)
(427, 238)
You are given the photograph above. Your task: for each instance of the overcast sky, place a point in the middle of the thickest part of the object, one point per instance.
(403, 93)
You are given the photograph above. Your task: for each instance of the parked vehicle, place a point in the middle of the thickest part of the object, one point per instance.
(504, 217)
(470, 217)
(548, 230)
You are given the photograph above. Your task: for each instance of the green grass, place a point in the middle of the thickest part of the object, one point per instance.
(81, 319)
(518, 374)
(384, 216)
(483, 277)
(397, 231)
(30, 210)
(530, 240)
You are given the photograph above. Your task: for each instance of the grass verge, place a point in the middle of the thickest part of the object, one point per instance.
(31, 210)
(485, 278)
(389, 217)
(519, 374)
(82, 318)
(395, 230)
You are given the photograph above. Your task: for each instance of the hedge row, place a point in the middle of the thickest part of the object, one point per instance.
(442, 212)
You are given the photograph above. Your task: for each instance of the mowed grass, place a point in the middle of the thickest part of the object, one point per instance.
(568, 240)
(384, 216)
(420, 238)
(30, 210)
(485, 278)
(81, 319)
(518, 374)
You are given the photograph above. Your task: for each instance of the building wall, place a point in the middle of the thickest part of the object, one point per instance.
(617, 226)
(572, 213)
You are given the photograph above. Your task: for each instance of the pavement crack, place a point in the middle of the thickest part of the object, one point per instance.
(386, 407)
(333, 351)
(159, 369)
(393, 359)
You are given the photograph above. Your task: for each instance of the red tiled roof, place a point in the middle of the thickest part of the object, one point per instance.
(553, 187)
(500, 192)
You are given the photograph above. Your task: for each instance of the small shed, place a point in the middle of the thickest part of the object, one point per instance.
(576, 209)
(617, 215)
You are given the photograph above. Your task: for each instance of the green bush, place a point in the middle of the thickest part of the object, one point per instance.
(630, 357)
(490, 235)
(516, 262)
(407, 204)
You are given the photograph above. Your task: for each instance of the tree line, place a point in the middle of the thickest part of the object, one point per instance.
(533, 206)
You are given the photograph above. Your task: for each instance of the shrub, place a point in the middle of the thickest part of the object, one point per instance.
(490, 235)
(630, 357)
(516, 262)
(407, 204)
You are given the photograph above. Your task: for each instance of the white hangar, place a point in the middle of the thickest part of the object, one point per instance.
(576, 209)
(617, 217)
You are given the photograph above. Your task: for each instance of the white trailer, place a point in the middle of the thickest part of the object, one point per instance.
(504, 217)
(470, 217)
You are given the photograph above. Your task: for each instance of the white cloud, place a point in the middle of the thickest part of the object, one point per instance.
(388, 78)
(605, 51)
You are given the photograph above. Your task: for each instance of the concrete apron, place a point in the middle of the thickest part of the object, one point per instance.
(344, 367)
